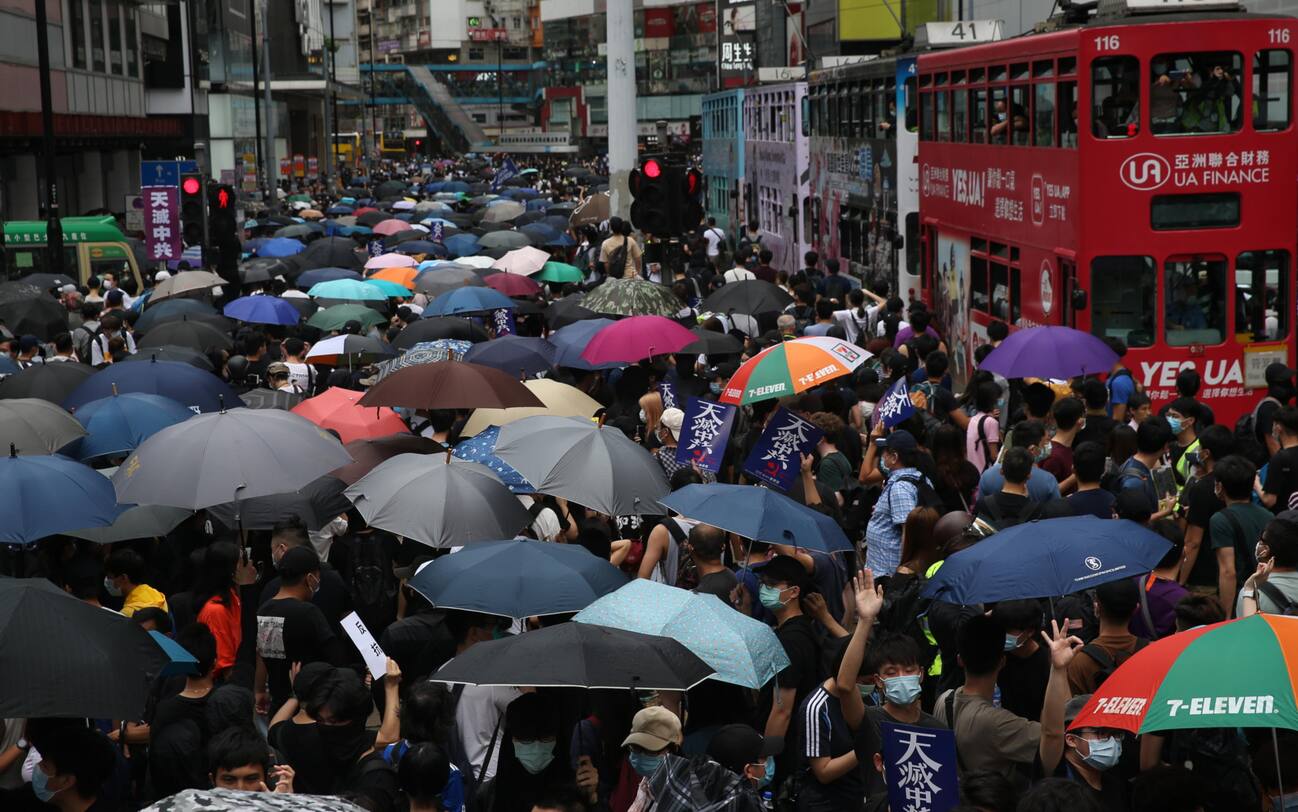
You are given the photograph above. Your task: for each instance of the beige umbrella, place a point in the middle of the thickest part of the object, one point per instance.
(503, 212)
(592, 211)
(311, 214)
(186, 282)
(522, 261)
(560, 399)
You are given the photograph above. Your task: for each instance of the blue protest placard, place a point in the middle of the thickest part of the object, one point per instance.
(374, 247)
(668, 392)
(704, 434)
(777, 457)
(436, 232)
(920, 768)
(502, 321)
(895, 405)
(507, 171)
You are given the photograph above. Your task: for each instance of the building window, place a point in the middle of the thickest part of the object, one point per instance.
(97, 36)
(132, 45)
(115, 36)
(77, 28)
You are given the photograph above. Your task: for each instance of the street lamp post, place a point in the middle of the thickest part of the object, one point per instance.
(53, 227)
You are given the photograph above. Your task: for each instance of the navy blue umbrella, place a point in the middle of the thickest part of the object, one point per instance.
(156, 313)
(760, 514)
(572, 340)
(462, 245)
(517, 578)
(49, 494)
(481, 448)
(412, 247)
(116, 425)
(514, 355)
(1046, 559)
(317, 275)
(468, 300)
(187, 384)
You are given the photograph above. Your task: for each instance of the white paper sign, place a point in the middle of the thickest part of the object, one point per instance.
(365, 643)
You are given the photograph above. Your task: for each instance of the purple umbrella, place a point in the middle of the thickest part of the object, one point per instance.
(1050, 352)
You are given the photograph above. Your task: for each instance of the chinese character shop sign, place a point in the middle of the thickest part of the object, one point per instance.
(920, 768)
(162, 222)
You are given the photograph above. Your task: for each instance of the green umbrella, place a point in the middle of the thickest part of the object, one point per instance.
(298, 198)
(559, 272)
(632, 297)
(333, 318)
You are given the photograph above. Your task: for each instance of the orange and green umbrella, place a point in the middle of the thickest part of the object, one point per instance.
(1241, 673)
(792, 367)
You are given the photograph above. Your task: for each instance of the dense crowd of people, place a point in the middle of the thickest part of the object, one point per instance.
(280, 702)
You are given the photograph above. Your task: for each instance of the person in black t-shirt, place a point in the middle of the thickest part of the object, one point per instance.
(1279, 392)
(1281, 489)
(1011, 505)
(704, 547)
(1198, 503)
(1090, 499)
(178, 729)
(1098, 423)
(290, 629)
(1027, 663)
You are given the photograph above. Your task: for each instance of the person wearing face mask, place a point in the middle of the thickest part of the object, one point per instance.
(480, 709)
(531, 761)
(333, 597)
(1029, 435)
(1090, 758)
(655, 734)
(124, 574)
(291, 629)
(1182, 417)
(1279, 393)
(738, 764)
(1022, 680)
(75, 763)
(340, 704)
(1273, 587)
(1281, 485)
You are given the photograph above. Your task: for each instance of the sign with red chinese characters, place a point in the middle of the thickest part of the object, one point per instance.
(162, 222)
(299, 166)
(312, 167)
(488, 34)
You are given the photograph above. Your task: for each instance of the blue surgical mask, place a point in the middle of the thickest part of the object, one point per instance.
(111, 587)
(643, 764)
(1174, 423)
(770, 772)
(1104, 753)
(715, 388)
(883, 467)
(534, 756)
(1011, 642)
(769, 596)
(901, 690)
(40, 785)
(869, 694)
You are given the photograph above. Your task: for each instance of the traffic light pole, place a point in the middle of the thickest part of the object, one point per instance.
(621, 104)
(54, 226)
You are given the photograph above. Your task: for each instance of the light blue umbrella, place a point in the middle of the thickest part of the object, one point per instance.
(760, 514)
(390, 289)
(180, 661)
(347, 290)
(742, 651)
(280, 247)
(468, 300)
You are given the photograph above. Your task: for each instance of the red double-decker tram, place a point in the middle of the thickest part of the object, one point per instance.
(1133, 177)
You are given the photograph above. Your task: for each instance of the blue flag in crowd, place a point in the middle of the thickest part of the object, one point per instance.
(704, 434)
(436, 232)
(502, 321)
(668, 392)
(777, 457)
(506, 171)
(375, 247)
(895, 406)
(919, 765)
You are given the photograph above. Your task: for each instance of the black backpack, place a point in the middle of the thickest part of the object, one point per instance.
(925, 496)
(1246, 439)
(1106, 662)
(1220, 756)
(903, 612)
(997, 518)
(983, 443)
(1114, 484)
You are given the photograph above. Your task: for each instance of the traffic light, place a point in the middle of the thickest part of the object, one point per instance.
(222, 229)
(191, 208)
(692, 203)
(652, 209)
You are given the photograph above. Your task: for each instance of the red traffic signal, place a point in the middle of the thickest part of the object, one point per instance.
(652, 169)
(190, 185)
(693, 182)
(223, 199)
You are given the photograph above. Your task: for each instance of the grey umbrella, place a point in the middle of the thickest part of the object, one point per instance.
(436, 281)
(504, 239)
(224, 456)
(134, 522)
(262, 398)
(35, 426)
(437, 501)
(594, 466)
(318, 503)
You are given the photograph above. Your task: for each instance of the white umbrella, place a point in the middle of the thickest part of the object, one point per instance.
(523, 261)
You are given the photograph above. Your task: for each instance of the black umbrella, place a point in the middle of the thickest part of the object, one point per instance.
(315, 504)
(302, 304)
(389, 188)
(748, 296)
(409, 235)
(712, 343)
(331, 252)
(62, 657)
(578, 655)
(263, 269)
(170, 309)
(461, 219)
(439, 327)
(173, 352)
(371, 218)
(48, 281)
(195, 334)
(26, 309)
(568, 310)
(271, 399)
(529, 217)
(52, 382)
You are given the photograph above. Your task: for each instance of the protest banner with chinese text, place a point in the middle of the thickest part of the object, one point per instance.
(896, 405)
(162, 222)
(920, 768)
(777, 457)
(704, 434)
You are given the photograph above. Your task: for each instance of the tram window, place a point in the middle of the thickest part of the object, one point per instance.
(1194, 293)
(996, 73)
(1271, 77)
(1115, 97)
(911, 98)
(999, 116)
(957, 77)
(959, 116)
(912, 243)
(1043, 69)
(1067, 121)
(1016, 299)
(1174, 212)
(926, 116)
(1123, 299)
(1000, 284)
(832, 118)
(1019, 71)
(806, 111)
(976, 75)
(1195, 93)
(942, 99)
(978, 111)
(1043, 115)
(1018, 116)
(1067, 65)
(1260, 295)
(979, 298)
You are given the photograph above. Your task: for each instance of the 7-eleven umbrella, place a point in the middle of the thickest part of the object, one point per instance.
(1194, 679)
(338, 409)
(792, 367)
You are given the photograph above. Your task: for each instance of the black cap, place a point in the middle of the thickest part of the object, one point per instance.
(899, 440)
(736, 746)
(298, 561)
(1278, 373)
(783, 569)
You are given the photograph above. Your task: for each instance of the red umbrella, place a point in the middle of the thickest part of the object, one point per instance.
(366, 454)
(512, 284)
(390, 227)
(635, 338)
(339, 409)
(451, 385)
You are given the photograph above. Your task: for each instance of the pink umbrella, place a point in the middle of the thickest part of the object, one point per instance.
(511, 285)
(526, 260)
(389, 227)
(636, 338)
(390, 261)
(337, 409)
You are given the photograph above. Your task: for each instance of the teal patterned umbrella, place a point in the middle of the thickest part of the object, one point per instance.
(632, 297)
(742, 651)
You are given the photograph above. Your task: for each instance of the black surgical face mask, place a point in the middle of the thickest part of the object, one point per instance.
(344, 743)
